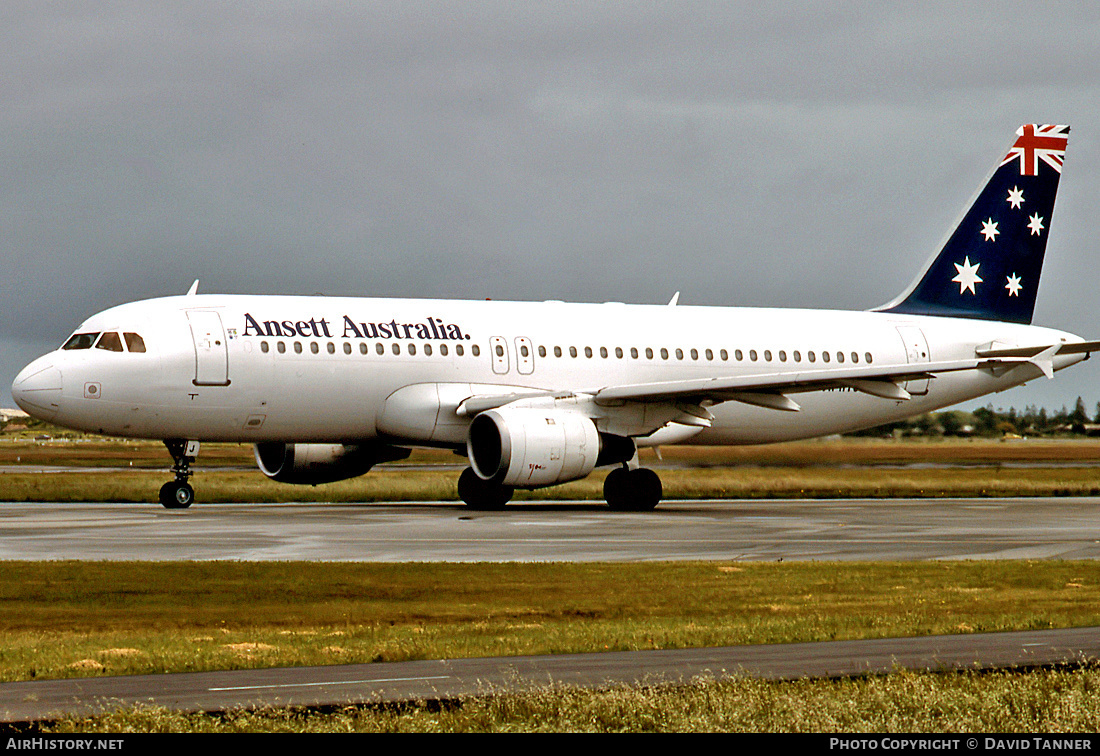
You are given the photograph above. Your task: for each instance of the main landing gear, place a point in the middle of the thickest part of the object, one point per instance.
(178, 493)
(632, 490)
(625, 489)
(482, 495)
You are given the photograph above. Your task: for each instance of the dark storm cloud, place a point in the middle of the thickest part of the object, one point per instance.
(789, 154)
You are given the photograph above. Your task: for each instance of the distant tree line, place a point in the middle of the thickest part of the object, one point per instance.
(989, 422)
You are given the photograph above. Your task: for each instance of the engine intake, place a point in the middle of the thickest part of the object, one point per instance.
(311, 464)
(529, 448)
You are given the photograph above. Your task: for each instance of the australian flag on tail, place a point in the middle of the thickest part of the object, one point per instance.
(989, 267)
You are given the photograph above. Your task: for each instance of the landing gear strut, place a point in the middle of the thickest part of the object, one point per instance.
(178, 493)
(481, 494)
(637, 490)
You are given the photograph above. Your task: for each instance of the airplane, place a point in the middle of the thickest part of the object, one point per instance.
(536, 394)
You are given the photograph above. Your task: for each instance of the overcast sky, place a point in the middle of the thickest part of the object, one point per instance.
(777, 154)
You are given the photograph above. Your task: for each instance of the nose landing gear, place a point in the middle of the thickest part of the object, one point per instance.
(178, 493)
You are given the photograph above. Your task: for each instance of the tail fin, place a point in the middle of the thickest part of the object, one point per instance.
(989, 267)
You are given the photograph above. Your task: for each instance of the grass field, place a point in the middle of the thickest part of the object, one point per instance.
(70, 619)
(73, 619)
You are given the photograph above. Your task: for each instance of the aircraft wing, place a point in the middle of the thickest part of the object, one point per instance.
(772, 389)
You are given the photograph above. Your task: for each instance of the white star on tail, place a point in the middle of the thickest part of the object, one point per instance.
(1015, 196)
(989, 230)
(1035, 224)
(968, 275)
(1013, 285)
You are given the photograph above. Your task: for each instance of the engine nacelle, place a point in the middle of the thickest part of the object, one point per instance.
(527, 447)
(311, 464)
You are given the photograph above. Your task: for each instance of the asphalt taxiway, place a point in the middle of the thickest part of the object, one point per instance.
(451, 678)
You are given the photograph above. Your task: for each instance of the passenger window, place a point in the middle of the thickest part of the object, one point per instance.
(443, 349)
(634, 353)
(723, 354)
(648, 353)
(427, 350)
(134, 342)
(664, 353)
(694, 354)
(264, 347)
(475, 350)
(557, 351)
(331, 348)
(297, 347)
(313, 347)
(80, 341)
(572, 351)
(679, 354)
(347, 347)
(379, 348)
(110, 341)
(459, 350)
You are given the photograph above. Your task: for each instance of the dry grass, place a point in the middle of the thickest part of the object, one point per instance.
(1041, 701)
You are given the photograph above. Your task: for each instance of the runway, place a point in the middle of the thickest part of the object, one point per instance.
(764, 530)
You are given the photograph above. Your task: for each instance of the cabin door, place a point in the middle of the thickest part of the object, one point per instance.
(211, 350)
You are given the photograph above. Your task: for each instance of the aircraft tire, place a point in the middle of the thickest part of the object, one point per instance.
(648, 489)
(176, 495)
(482, 495)
(637, 490)
(617, 489)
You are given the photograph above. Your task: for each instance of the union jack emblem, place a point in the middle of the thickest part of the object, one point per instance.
(1035, 143)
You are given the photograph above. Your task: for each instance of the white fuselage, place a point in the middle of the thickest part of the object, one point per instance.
(326, 369)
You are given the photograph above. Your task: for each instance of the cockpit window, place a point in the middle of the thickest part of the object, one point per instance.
(80, 341)
(134, 342)
(109, 341)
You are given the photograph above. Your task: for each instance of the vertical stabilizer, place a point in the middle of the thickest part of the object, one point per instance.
(989, 267)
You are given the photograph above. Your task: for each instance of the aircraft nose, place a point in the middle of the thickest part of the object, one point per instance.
(37, 389)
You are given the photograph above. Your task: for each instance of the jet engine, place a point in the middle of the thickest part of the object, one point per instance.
(311, 464)
(529, 448)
